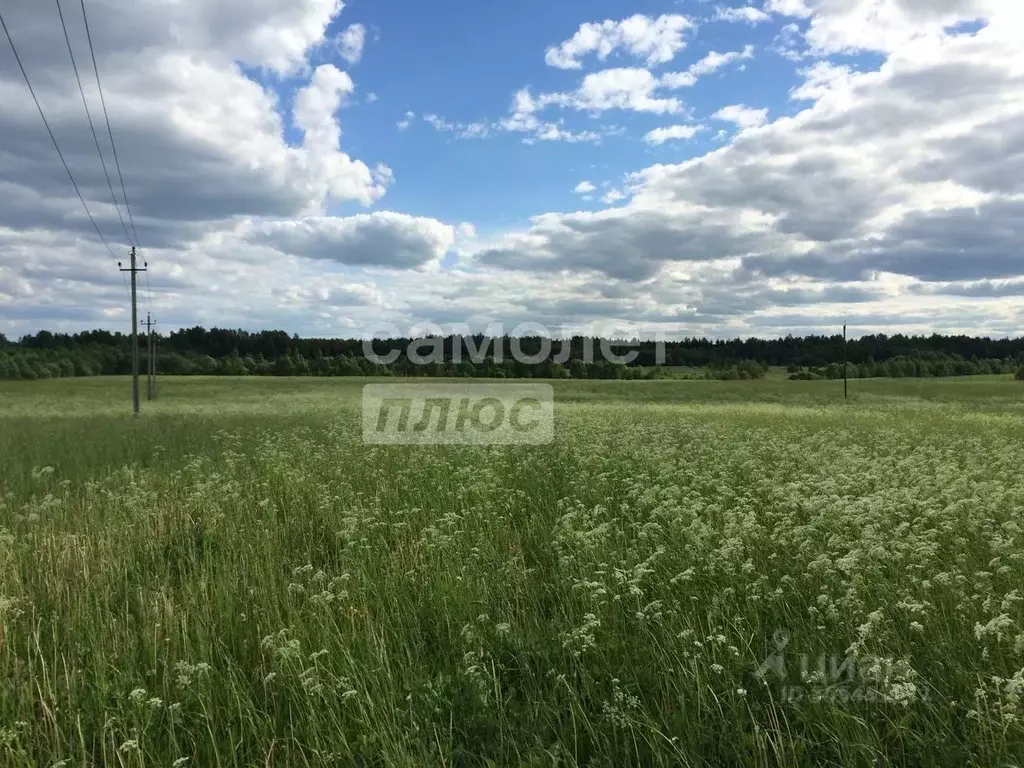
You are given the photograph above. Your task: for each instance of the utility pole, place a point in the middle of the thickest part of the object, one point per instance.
(151, 361)
(154, 366)
(135, 331)
(846, 394)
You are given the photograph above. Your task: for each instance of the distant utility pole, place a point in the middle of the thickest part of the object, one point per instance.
(846, 393)
(135, 331)
(151, 361)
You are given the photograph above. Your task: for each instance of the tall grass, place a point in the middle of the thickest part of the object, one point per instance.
(235, 579)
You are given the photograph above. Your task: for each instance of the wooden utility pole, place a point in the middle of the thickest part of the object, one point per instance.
(151, 360)
(135, 330)
(846, 393)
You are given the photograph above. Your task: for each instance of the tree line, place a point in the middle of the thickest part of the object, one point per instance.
(219, 351)
(92, 361)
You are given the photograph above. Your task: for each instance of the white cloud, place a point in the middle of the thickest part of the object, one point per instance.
(475, 130)
(524, 120)
(655, 40)
(886, 26)
(796, 8)
(584, 187)
(894, 196)
(745, 14)
(351, 42)
(274, 34)
(672, 132)
(199, 140)
(316, 103)
(712, 62)
(627, 88)
(743, 116)
(406, 121)
(554, 132)
(715, 60)
(379, 239)
(620, 88)
(200, 144)
(277, 34)
(820, 80)
(790, 44)
(337, 175)
(438, 123)
(894, 190)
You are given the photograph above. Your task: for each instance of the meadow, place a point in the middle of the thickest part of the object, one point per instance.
(692, 573)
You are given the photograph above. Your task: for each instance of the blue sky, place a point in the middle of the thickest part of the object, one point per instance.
(465, 61)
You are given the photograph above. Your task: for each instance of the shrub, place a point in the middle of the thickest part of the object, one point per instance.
(806, 376)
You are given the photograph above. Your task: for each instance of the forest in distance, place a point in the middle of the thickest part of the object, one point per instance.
(218, 351)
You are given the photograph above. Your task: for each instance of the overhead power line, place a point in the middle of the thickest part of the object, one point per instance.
(106, 117)
(92, 127)
(113, 146)
(149, 293)
(56, 146)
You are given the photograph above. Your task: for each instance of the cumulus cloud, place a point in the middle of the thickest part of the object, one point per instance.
(351, 42)
(336, 175)
(788, 7)
(584, 188)
(790, 44)
(631, 89)
(885, 26)
(672, 133)
(821, 79)
(715, 60)
(628, 88)
(629, 243)
(523, 119)
(743, 116)
(379, 239)
(982, 289)
(890, 196)
(887, 182)
(705, 66)
(655, 40)
(198, 140)
(316, 103)
(746, 14)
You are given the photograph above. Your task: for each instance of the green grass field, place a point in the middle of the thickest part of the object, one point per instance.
(692, 573)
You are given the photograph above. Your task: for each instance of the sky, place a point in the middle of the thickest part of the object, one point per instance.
(388, 167)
